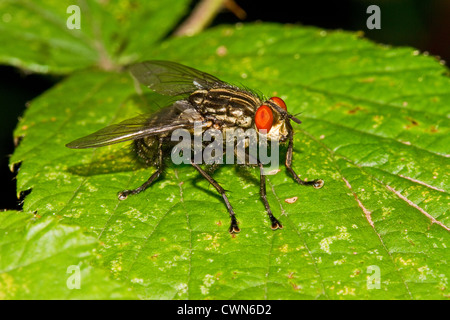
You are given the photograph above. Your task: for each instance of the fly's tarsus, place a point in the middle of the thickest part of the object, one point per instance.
(318, 183)
(233, 227)
(276, 224)
(262, 191)
(160, 167)
(125, 193)
(315, 183)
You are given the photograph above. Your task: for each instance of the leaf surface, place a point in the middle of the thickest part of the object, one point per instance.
(42, 259)
(375, 128)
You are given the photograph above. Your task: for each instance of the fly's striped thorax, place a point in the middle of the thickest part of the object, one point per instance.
(229, 106)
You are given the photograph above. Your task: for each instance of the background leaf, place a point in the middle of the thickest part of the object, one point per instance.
(35, 36)
(375, 128)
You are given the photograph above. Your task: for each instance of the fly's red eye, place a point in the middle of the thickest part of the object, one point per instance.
(264, 118)
(279, 102)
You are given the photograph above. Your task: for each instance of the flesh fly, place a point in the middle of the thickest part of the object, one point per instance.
(201, 98)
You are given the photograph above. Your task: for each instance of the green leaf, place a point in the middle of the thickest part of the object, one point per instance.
(35, 34)
(42, 259)
(375, 128)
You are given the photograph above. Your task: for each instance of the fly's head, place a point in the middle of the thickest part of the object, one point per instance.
(272, 119)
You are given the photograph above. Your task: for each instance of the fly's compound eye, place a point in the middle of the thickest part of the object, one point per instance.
(264, 118)
(279, 102)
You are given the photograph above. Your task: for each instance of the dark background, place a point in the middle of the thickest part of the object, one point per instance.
(423, 24)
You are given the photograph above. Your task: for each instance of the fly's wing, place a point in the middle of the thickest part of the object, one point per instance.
(171, 78)
(179, 115)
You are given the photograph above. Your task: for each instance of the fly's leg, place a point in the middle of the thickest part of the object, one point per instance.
(159, 169)
(262, 191)
(233, 227)
(315, 183)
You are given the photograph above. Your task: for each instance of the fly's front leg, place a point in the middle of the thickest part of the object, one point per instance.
(262, 190)
(233, 227)
(315, 183)
(159, 169)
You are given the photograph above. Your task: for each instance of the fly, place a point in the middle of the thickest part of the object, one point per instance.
(202, 98)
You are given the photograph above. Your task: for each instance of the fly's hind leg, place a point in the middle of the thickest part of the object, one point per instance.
(233, 226)
(262, 191)
(159, 169)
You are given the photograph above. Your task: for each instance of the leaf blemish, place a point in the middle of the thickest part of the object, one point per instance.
(291, 200)
(326, 242)
(208, 280)
(413, 122)
(222, 51)
(295, 286)
(355, 110)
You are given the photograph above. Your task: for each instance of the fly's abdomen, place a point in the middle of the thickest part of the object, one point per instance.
(147, 149)
(226, 106)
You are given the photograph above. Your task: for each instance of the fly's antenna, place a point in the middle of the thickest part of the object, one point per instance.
(283, 112)
(291, 117)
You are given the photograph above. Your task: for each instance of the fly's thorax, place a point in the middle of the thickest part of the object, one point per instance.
(227, 106)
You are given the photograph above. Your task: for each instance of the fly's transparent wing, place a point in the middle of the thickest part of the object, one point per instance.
(179, 115)
(171, 78)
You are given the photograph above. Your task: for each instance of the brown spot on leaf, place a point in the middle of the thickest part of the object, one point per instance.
(296, 287)
(413, 122)
(354, 110)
